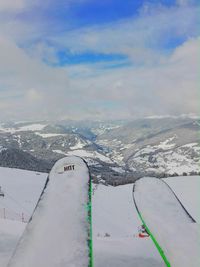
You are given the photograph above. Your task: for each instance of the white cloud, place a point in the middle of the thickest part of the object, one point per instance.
(12, 5)
(34, 95)
(19, 73)
(168, 88)
(185, 2)
(159, 83)
(30, 89)
(140, 38)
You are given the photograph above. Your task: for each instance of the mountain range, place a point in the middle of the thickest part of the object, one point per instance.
(117, 152)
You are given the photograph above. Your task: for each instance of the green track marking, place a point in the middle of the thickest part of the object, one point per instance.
(162, 254)
(90, 243)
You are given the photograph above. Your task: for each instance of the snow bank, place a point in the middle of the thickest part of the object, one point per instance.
(169, 223)
(57, 234)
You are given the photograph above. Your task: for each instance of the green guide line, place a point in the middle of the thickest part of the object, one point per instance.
(90, 243)
(162, 254)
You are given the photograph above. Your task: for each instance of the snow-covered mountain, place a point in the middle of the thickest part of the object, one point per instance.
(156, 147)
(118, 152)
(47, 142)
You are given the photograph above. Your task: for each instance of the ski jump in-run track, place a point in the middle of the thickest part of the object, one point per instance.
(173, 230)
(59, 233)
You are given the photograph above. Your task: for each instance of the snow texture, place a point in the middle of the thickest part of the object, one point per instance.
(22, 190)
(113, 213)
(10, 232)
(187, 190)
(115, 230)
(58, 232)
(176, 233)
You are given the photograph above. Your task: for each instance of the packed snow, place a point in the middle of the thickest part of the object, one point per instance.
(10, 232)
(58, 232)
(21, 192)
(115, 230)
(175, 231)
(187, 190)
(115, 220)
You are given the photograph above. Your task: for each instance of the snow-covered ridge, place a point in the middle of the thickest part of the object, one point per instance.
(29, 127)
(47, 135)
(2, 148)
(80, 144)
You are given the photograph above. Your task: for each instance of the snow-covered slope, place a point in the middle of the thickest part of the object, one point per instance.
(187, 190)
(21, 192)
(173, 228)
(10, 232)
(115, 231)
(113, 213)
(57, 235)
(115, 220)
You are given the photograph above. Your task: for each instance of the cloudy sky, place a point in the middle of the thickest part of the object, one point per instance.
(91, 59)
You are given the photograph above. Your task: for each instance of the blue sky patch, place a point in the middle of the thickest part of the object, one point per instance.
(65, 58)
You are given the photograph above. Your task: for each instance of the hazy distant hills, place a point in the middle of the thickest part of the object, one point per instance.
(161, 147)
(117, 152)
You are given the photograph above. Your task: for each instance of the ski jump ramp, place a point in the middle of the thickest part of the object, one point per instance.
(174, 232)
(58, 232)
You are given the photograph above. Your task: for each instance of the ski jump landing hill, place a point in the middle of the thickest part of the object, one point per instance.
(174, 232)
(58, 233)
